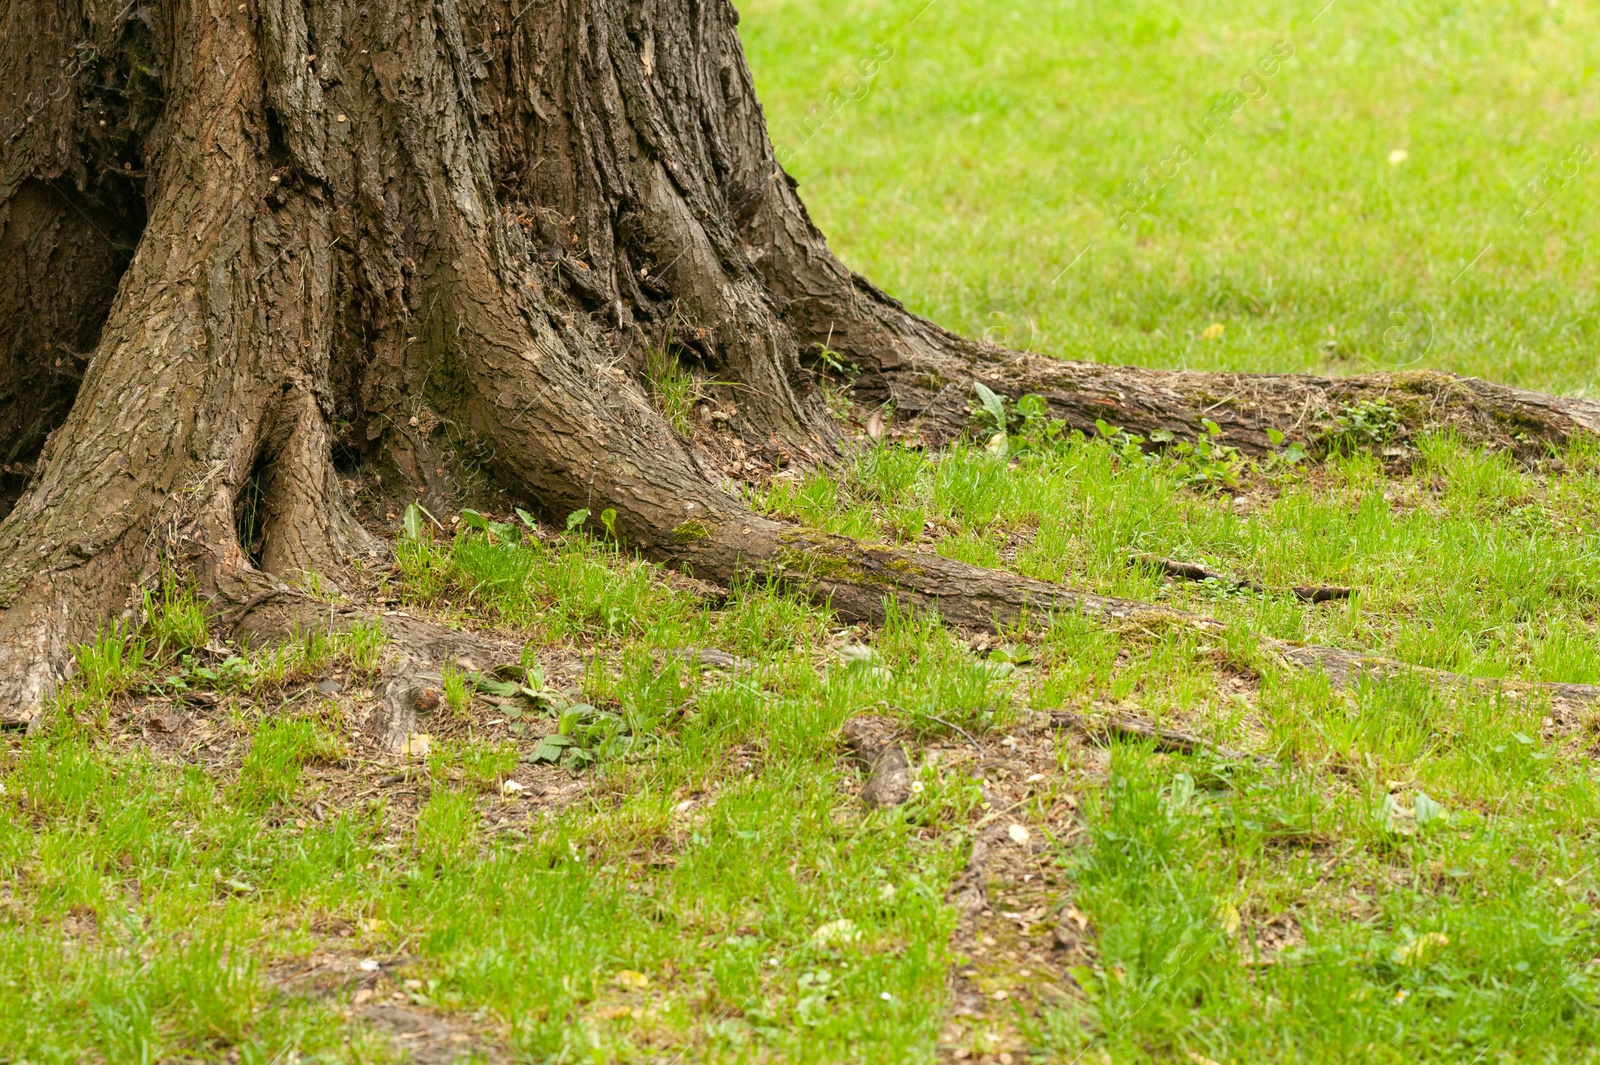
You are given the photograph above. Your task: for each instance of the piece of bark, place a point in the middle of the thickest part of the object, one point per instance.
(875, 743)
(1191, 571)
(968, 892)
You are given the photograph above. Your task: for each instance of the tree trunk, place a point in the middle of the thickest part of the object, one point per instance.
(443, 239)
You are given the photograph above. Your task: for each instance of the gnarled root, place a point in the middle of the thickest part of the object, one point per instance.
(254, 609)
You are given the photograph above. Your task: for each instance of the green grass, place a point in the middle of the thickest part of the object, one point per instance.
(1408, 879)
(716, 891)
(976, 158)
(1466, 563)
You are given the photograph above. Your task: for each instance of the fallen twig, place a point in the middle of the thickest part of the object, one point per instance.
(1190, 571)
(1166, 739)
(957, 728)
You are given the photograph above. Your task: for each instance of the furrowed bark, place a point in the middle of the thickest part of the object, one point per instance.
(70, 214)
(207, 376)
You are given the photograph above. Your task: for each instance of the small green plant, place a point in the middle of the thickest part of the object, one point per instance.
(1207, 464)
(457, 687)
(833, 361)
(176, 622)
(417, 522)
(1127, 447)
(112, 664)
(1033, 423)
(1027, 423)
(584, 734)
(990, 414)
(674, 389)
(1372, 423)
(1286, 452)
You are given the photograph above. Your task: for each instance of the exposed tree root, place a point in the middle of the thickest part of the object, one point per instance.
(256, 610)
(1568, 702)
(1189, 571)
(1246, 406)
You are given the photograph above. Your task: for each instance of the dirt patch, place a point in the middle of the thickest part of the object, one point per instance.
(1015, 895)
(380, 997)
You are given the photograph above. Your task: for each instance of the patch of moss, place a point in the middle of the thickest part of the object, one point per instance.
(1422, 382)
(1516, 421)
(691, 530)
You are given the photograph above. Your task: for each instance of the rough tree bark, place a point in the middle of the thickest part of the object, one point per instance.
(440, 237)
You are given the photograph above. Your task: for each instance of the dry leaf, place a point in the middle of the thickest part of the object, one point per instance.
(835, 933)
(1421, 950)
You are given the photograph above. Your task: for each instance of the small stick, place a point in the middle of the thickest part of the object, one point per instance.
(958, 728)
(1169, 740)
(1190, 571)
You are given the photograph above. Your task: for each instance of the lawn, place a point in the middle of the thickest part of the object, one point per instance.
(649, 843)
(1388, 184)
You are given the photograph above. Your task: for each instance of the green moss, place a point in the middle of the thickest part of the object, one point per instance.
(691, 530)
(1422, 382)
(1519, 422)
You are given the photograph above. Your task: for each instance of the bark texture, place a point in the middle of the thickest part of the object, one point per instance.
(254, 247)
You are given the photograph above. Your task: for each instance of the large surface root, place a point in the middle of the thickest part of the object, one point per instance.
(859, 580)
(927, 375)
(1248, 408)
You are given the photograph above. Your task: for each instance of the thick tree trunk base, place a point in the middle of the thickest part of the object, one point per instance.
(463, 247)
